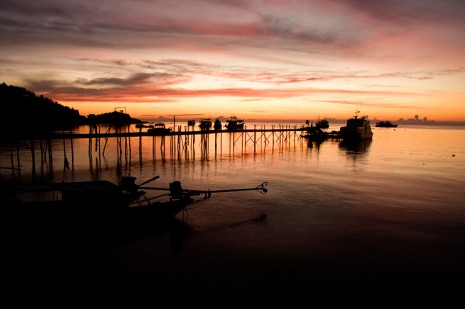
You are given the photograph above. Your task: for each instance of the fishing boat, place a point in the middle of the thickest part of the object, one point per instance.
(385, 124)
(91, 206)
(86, 205)
(205, 124)
(143, 125)
(234, 123)
(356, 129)
(158, 129)
(322, 124)
(315, 134)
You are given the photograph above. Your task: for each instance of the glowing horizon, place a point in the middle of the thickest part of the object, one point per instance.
(254, 59)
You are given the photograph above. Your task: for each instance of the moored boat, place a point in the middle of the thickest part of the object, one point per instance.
(234, 123)
(143, 125)
(356, 129)
(205, 124)
(158, 128)
(385, 124)
(322, 124)
(89, 207)
(315, 134)
(86, 205)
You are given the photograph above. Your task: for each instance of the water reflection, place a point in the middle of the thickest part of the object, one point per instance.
(350, 147)
(355, 148)
(314, 144)
(121, 152)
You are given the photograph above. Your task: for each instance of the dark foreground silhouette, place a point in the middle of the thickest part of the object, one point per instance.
(180, 265)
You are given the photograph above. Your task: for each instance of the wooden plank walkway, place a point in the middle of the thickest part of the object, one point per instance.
(66, 135)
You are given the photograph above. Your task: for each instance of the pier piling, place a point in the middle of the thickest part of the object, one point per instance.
(182, 144)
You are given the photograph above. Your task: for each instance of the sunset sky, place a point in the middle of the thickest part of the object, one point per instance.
(268, 59)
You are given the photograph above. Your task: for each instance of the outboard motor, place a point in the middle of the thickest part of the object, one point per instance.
(176, 190)
(128, 183)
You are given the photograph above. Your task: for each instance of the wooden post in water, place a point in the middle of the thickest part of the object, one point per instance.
(140, 145)
(254, 138)
(163, 145)
(272, 133)
(72, 150)
(265, 139)
(179, 143)
(41, 150)
(12, 162)
(127, 149)
(50, 151)
(18, 160)
(193, 143)
(216, 142)
(204, 141)
(153, 149)
(186, 144)
(65, 159)
(244, 142)
(33, 157)
(89, 148)
(98, 146)
(172, 146)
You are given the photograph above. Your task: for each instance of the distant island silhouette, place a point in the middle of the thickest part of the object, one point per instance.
(25, 114)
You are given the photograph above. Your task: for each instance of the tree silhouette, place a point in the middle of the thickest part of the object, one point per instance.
(24, 114)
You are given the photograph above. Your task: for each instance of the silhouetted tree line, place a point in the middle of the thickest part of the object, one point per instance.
(25, 114)
(113, 118)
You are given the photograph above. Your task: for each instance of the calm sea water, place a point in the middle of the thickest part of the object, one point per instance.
(386, 217)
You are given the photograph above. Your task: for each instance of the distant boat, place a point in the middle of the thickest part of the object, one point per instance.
(205, 124)
(144, 125)
(385, 124)
(158, 128)
(191, 122)
(315, 134)
(234, 123)
(322, 124)
(356, 129)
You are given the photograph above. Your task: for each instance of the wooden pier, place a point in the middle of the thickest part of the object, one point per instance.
(181, 143)
(70, 134)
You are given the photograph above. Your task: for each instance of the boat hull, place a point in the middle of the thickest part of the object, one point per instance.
(356, 136)
(88, 208)
(234, 124)
(356, 129)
